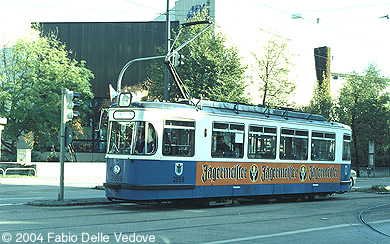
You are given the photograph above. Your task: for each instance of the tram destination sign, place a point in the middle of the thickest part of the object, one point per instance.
(222, 173)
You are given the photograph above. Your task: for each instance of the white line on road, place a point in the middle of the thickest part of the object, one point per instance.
(20, 198)
(10, 204)
(249, 238)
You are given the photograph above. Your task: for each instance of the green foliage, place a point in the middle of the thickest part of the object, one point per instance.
(211, 70)
(321, 102)
(380, 188)
(363, 105)
(33, 71)
(273, 68)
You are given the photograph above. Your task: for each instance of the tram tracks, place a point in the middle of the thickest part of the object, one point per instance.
(164, 220)
(364, 222)
(151, 219)
(139, 209)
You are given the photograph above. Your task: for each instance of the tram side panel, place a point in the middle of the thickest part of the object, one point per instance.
(164, 177)
(150, 179)
(170, 179)
(251, 179)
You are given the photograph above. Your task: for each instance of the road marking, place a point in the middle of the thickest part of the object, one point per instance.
(13, 199)
(194, 211)
(10, 204)
(20, 198)
(249, 238)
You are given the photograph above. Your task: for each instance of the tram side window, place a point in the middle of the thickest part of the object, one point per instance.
(179, 138)
(347, 147)
(227, 140)
(294, 144)
(129, 138)
(323, 146)
(262, 142)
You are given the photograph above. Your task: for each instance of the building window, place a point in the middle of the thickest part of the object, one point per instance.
(227, 140)
(323, 146)
(179, 138)
(347, 147)
(293, 144)
(262, 142)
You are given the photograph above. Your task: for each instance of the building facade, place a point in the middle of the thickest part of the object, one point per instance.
(107, 47)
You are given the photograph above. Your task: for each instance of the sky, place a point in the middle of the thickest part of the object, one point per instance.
(353, 29)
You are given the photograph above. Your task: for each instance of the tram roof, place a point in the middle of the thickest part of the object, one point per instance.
(242, 110)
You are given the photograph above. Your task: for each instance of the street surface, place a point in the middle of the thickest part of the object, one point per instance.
(333, 220)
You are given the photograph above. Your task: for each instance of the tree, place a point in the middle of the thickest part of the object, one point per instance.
(211, 70)
(363, 105)
(33, 71)
(273, 68)
(322, 103)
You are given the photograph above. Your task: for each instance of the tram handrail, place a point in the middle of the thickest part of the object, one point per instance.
(5, 172)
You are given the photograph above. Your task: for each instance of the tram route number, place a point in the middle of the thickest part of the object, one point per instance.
(117, 178)
(178, 179)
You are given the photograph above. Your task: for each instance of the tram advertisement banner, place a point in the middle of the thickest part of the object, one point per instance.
(222, 173)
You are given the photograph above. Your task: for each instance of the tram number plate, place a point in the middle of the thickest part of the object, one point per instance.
(178, 179)
(117, 178)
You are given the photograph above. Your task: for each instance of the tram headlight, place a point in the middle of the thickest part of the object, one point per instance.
(116, 169)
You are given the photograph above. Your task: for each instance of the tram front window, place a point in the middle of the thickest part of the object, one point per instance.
(137, 138)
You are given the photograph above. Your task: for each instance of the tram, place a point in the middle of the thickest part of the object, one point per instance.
(216, 151)
(165, 151)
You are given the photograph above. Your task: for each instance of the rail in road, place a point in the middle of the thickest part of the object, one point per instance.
(316, 221)
(371, 225)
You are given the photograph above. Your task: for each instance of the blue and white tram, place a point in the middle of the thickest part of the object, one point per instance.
(213, 150)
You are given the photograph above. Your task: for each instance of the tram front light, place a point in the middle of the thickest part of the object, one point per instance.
(116, 169)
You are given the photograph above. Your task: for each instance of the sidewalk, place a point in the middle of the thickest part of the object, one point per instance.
(43, 191)
(362, 183)
(89, 182)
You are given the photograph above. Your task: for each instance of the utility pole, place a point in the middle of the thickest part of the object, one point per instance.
(168, 39)
(62, 144)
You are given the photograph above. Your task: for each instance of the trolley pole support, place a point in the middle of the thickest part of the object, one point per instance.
(62, 144)
(166, 57)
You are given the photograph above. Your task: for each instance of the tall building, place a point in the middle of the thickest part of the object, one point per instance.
(107, 47)
(322, 64)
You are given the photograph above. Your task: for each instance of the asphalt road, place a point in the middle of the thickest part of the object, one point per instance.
(333, 220)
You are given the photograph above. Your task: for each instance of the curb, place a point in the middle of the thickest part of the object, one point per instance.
(70, 202)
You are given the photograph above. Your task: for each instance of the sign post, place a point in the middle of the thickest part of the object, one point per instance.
(371, 157)
(3, 121)
(67, 114)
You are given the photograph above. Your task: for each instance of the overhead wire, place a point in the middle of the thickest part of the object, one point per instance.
(349, 7)
(315, 21)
